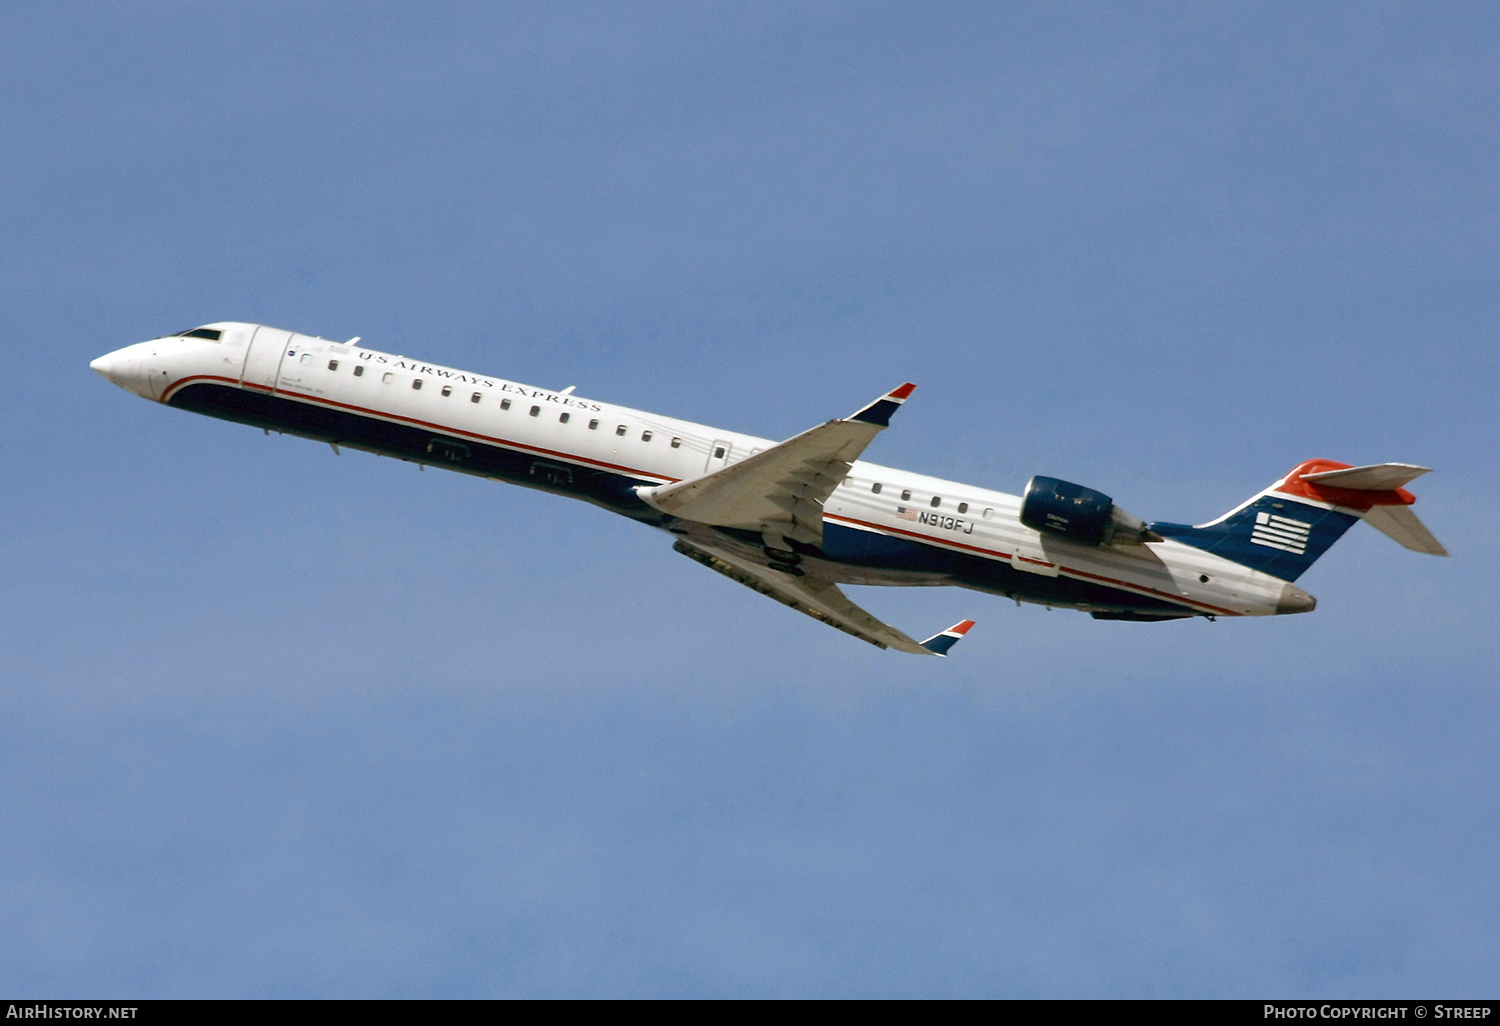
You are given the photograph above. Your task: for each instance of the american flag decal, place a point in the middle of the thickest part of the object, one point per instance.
(906, 514)
(1280, 533)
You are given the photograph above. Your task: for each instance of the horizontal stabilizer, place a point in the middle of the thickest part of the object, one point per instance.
(941, 642)
(1378, 477)
(1402, 525)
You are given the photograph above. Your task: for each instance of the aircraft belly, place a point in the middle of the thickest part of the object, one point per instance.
(425, 445)
(868, 557)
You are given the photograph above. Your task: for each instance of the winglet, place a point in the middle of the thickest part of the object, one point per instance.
(940, 643)
(879, 412)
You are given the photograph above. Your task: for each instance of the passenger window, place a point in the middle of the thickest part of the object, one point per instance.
(875, 488)
(333, 365)
(535, 410)
(677, 443)
(905, 494)
(416, 384)
(936, 502)
(988, 513)
(505, 404)
(562, 418)
(645, 436)
(447, 391)
(593, 425)
(385, 379)
(306, 359)
(620, 430)
(474, 398)
(719, 453)
(359, 369)
(963, 507)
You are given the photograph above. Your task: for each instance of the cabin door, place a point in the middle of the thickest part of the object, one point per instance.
(263, 360)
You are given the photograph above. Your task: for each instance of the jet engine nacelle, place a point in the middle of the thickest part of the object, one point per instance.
(1080, 514)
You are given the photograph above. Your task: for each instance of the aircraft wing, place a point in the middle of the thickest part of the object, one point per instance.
(822, 600)
(781, 490)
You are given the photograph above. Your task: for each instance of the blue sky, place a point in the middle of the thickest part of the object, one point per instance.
(281, 723)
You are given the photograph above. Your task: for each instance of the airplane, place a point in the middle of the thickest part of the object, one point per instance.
(792, 520)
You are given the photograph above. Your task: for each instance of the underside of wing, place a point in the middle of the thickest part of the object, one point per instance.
(780, 492)
(822, 600)
(743, 519)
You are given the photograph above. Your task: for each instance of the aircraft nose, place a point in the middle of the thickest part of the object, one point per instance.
(1295, 600)
(126, 368)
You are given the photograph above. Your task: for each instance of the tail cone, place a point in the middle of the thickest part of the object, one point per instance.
(1295, 600)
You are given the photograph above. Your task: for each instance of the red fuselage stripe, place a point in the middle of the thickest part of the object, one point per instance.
(880, 528)
(380, 415)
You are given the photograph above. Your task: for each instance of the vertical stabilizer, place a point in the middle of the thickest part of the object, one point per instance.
(1286, 528)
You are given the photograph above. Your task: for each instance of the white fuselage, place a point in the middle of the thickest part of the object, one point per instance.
(953, 533)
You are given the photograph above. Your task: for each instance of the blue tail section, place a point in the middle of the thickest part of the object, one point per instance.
(1272, 533)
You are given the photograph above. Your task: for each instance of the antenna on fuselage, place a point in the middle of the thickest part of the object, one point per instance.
(353, 341)
(568, 390)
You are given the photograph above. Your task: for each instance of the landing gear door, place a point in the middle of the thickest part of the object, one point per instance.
(718, 456)
(263, 361)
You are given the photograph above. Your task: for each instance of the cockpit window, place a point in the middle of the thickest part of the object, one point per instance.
(212, 334)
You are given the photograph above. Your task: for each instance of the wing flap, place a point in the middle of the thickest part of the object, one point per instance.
(819, 599)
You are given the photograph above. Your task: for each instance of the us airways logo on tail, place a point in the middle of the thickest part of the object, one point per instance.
(1280, 533)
